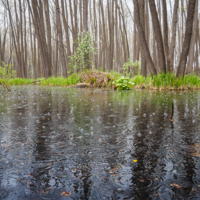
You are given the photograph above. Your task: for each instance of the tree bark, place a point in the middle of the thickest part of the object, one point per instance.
(187, 40)
(165, 35)
(158, 36)
(60, 37)
(142, 37)
(193, 41)
(142, 19)
(173, 39)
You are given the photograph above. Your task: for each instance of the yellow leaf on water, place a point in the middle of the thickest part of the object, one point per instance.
(135, 160)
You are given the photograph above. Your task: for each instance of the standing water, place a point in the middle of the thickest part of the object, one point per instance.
(59, 143)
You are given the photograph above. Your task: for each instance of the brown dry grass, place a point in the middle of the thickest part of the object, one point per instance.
(96, 78)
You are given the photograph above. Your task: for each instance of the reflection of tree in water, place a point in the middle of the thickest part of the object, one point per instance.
(186, 164)
(42, 151)
(147, 142)
(166, 162)
(91, 159)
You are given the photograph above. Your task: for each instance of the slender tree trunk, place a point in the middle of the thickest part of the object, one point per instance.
(85, 29)
(142, 19)
(48, 28)
(165, 34)
(193, 41)
(173, 39)
(187, 40)
(142, 37)
(158, 36)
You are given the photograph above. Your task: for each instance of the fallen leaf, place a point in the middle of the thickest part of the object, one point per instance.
(66, 194)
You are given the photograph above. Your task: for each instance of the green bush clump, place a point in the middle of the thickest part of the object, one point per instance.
(123, 83)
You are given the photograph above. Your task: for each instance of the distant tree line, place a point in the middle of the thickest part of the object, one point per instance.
(39, 36)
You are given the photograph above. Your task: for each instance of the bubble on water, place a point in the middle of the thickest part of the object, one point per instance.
(150, 132)
(139, 134)
(119, 190)
(37, 121)
(20, 113)
(136, 108)
(109, 104)
(193, 121)
(49, 104)
(154, 114)
(144, 115)
(43, 127)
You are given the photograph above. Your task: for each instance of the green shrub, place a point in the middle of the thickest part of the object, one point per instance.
(123, 83)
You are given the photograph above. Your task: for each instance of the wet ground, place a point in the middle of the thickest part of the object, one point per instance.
(58, 143)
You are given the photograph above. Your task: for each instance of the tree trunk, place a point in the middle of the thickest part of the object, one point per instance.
(165, 35)
(158, 36)
(173, 39)
(142, 19)
(142, 37)
(60, 37)
(193, 41)
(187, 40)
(85, 29)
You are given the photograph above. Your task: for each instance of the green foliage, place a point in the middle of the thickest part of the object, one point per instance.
(160, 81)
(101, 69)
(137, 66)
(86, 47)
(139, 79)
(52, 81)
(123, 83)
(167, 81)
(116, 74)
(20, 81)
(128, 68)
(6, 71)
(60, 81)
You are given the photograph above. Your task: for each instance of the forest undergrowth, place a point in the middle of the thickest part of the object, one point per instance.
(113, 80)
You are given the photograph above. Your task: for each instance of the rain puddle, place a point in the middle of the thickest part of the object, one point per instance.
(59, 143)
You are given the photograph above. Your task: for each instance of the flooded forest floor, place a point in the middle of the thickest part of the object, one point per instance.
(68, 143)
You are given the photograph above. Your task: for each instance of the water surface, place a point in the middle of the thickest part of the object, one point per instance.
(58, 143)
